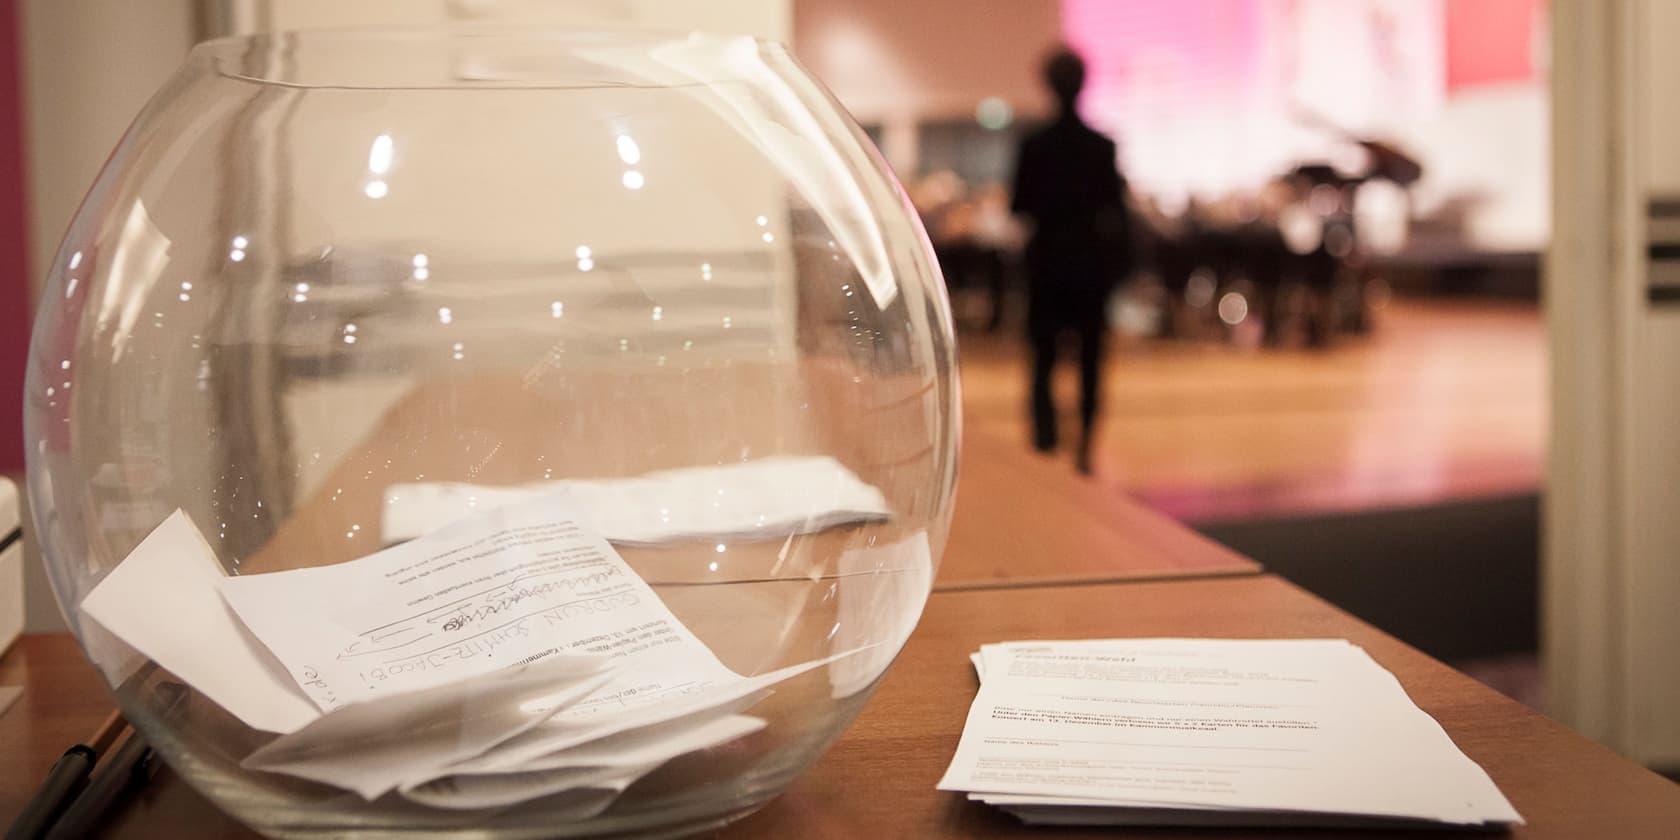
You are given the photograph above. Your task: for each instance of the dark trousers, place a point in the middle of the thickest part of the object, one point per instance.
(1049, 317)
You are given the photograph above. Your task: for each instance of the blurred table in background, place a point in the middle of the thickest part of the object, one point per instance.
(1020, 517)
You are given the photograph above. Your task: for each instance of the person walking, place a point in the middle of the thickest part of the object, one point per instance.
(1069, 187)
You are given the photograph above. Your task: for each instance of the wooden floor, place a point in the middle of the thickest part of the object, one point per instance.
(1445, 400)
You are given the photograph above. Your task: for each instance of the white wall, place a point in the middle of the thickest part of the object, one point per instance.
(769, 19)
(88, 67)
(896, 63)
(1654, 379)
(890, 60)
(1492, 144)
(1611, 580)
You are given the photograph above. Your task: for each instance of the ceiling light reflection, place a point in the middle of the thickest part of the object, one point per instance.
(628, 151)
(379, 155)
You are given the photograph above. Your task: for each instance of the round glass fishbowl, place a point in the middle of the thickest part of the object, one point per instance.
(492, 433)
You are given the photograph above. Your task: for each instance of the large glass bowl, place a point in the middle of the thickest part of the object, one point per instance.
(326, 272)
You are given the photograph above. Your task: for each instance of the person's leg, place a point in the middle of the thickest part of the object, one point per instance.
(997, 281)
(1041, 334)
(1092, 334)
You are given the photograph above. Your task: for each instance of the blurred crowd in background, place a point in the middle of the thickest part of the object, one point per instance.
(1291, 264)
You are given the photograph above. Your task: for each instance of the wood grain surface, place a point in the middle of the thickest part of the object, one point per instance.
(1023, 519)
(878, 779)
(1444, 400)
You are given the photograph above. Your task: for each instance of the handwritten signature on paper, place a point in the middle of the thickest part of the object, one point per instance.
(494, 603)
(485, 642)
(498, 600)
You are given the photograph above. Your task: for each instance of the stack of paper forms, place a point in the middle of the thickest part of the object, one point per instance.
(1212, 733)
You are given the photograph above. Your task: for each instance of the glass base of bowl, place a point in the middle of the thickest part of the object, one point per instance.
(684, 810)
(640, 826)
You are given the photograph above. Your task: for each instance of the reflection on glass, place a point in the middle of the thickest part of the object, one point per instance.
(379, 155)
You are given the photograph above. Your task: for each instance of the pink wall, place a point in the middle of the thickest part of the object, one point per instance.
(1490, 41)
(14, 243)
(1208, 97)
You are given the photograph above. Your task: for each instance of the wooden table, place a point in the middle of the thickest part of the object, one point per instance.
(878, 780)
(1023, 519)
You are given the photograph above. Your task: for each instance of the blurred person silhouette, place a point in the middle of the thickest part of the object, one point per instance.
(1068, 185)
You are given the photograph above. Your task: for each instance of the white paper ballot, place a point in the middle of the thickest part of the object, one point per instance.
(607, 766)
(587, 791)
(511, 585)
(373, 746)
(583, 723)
(759, 499)
(652, 745)
(1310, 726)
(200, 640)
(1097, 812)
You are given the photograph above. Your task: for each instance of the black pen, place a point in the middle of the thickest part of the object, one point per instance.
(67, 776)
(132, 766)
(127, 769)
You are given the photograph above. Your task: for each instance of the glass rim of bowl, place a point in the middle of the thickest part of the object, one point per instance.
(481, 56)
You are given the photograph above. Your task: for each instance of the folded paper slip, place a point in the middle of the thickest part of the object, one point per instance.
(373, 746)
(509, 656)
(765, 498)
(196, 636)
(610, 765)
